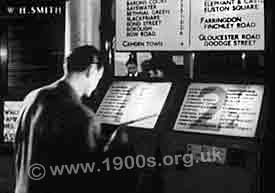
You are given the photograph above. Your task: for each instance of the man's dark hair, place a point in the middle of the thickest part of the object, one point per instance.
(161, 62)
(132, 59)
(81, 58)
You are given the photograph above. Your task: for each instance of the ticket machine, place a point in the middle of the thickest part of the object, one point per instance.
(138, 108)
(221, 127)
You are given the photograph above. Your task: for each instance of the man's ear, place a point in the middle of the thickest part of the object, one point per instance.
(90, 70)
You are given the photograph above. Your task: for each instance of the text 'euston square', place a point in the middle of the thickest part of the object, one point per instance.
(231, 5)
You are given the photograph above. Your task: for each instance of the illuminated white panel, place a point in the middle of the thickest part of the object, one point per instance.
(128, 101)
(223, 109)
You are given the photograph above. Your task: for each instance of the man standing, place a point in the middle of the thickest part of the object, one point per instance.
(56, 128)
(131, 65)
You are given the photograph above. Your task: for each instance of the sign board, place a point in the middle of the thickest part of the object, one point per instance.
(190, 25)
(152, 25)
(11, 113)
(227, 25)
(222, 109)
(133, 100)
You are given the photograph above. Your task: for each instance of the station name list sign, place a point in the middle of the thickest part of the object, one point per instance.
(227, 25)
(222, 109)
(128, 101)
(152, 24)
(190, 25)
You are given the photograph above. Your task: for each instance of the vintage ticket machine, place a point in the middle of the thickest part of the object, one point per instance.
(134, 104)
(137, 107)
(220, 127)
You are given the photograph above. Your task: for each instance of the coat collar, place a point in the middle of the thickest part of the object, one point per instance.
(68, 90)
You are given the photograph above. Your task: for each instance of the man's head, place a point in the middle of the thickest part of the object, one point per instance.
(152, 69)
(131, 68)
(160, 65)
(83, 65)
(131, 65)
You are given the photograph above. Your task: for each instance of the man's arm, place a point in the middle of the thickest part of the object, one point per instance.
(98, 141)
(94, 137)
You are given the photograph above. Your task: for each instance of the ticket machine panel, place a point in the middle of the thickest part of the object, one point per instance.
(134, 102)
(136, 107)
(222, 109)
(217, 125)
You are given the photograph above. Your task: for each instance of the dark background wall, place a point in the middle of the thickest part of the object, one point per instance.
(35, 52)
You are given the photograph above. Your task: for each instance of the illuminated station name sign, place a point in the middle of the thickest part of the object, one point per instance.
(190, 25)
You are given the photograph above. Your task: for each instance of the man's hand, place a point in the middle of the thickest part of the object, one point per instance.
(118, 138)
(94, 133)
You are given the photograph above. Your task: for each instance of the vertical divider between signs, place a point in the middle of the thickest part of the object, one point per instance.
(190, 14)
